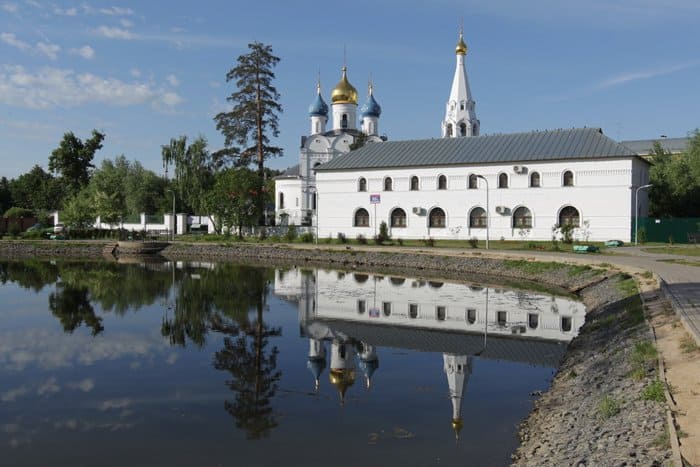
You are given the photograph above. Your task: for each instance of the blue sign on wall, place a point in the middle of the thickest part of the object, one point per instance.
(374, 199)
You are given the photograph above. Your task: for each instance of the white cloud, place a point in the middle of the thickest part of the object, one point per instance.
(623, 78)
(10, 39)
(9, 7)
(48, 387)
(116, 11)
(85, 51)
(172, 79)
(13, 394)
(114, 404)
(85, 385)
(65, 11)
(171, 99)
(127, 23)
(114, 33)
(50, 50)
(33, 3)
(135, 72)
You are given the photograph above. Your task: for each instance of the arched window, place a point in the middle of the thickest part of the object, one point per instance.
(503, 181)
(436, 218)
(471, 315)
(344, 121)
(569, 216)
(362, 184)
(313, 201)
(535, 180)
(473, 182)
(463, 129)
(442, 182)
(398, 218)
(361, 218)
(477, 218)
(449, 130)
(522, 218)
(568, 178)
(361, 279)
(388, 184)
(414, 183)
(281, 203)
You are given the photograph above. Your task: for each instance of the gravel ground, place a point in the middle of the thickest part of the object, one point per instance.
(593, 414)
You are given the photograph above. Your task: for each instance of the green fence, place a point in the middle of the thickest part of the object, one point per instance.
(666, 229)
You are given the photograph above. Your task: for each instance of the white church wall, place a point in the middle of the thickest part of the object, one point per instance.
(600, 192)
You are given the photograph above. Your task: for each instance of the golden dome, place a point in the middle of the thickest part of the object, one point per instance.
(461, 48)
(344, 92)
(342, 380)
(457, 424)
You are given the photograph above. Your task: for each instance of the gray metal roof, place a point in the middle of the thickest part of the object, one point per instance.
(578, 143)
(540, 352)
(291, 172)
(643, 146)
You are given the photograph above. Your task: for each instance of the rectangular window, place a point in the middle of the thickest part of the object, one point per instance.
(440, 312)
(413, 310)
(501, 316)
(361, 307)
(386, 308)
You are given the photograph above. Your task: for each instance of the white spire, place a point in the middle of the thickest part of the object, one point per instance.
(457, 368)
(460, 116)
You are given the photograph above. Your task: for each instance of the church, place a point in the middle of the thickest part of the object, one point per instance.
(464, 185)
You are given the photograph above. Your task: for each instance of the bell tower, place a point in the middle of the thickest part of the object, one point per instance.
(460, 115)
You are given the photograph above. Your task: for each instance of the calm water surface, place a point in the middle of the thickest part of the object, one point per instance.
(224, 364)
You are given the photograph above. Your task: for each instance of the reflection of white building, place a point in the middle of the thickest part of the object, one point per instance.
(360, 313)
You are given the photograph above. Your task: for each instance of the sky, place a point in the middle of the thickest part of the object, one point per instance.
(145, 72)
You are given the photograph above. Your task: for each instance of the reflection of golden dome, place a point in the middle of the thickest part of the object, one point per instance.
(457, 424)
(342, 379)
(344, 92)
(461, 48)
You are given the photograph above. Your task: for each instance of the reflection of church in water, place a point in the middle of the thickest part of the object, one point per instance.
(348, 317)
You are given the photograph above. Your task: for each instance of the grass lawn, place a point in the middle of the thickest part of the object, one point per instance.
(674, 250)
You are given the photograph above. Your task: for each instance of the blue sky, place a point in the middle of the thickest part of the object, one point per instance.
(143, 72)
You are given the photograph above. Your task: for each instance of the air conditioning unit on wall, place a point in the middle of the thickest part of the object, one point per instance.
(501, 209)
(519, 169)
(418, 211)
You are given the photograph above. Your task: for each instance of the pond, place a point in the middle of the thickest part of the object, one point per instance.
(173, 363)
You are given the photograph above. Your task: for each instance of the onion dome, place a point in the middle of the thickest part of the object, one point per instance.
(457, 424)
(371, 108)
(461, 48)
(344, 92)
(342, 379)
(316, 366)
(318, 107)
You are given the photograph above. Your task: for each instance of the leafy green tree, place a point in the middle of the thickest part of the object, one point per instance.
(79, 211)
(194, 171)
(73, 159)
(36, 190)
(108, 191)
(676, 180)
(5, 194)
(17, 213)
(233, 199)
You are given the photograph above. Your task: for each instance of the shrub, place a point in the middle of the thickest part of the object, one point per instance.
(291, 234)
(14, 229)
(608, 407)
(567, 233)
(383, 234)
(399, 241)
(16, 213)
(654, 392)
(641, 235)
(361, 239)
(263, 234)
(342, 238)
(307, 237)
(430, 241)
(328, 240)
(474, 242)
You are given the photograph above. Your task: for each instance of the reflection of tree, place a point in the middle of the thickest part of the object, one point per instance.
(71, 305)
(30, 274)
(253, 370)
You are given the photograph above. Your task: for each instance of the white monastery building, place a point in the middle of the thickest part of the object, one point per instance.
(463, 185)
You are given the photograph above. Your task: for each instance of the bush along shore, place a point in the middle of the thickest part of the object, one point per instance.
(605, 405)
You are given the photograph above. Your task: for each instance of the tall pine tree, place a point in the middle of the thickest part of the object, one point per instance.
(254, 118)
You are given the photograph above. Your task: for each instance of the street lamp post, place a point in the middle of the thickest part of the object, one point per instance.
(173, 221)
(488, 214)
(636, 211)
